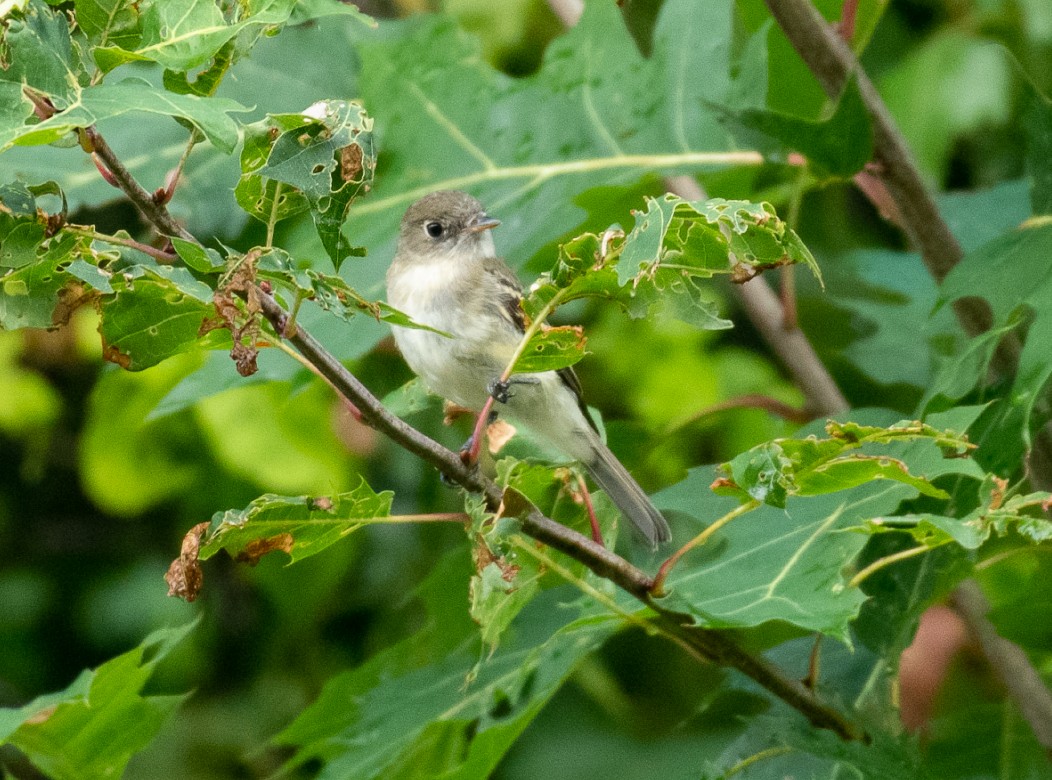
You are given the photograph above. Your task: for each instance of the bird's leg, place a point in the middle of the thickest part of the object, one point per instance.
(586, 497)
(469, 453)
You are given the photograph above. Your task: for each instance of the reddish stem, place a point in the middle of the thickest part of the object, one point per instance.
(586, 497)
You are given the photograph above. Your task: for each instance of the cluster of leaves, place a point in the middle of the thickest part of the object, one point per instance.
(797, 535)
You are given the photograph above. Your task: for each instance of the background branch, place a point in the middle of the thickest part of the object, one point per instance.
(1011, 665)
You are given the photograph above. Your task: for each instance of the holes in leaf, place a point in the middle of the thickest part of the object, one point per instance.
(319, 168)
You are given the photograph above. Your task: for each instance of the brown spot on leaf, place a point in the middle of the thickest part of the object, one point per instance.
(70, 298)
(257, 548)
(323, 502)
(351, 163)
(184, 576)
(42, 716)
(723, 482)
(112, 353)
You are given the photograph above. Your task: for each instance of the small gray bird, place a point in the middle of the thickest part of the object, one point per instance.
(446, 274)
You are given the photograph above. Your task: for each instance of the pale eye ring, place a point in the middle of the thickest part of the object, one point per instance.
(434, 229)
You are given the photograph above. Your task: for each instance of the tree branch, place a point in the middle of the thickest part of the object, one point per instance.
(155, 212)
(1008, 661)
(832, 62)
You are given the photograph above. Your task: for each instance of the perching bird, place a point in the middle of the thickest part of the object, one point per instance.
(446, 274)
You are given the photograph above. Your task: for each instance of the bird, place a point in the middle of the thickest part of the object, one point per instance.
(446, 274)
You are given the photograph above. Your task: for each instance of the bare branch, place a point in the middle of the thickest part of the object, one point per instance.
(1008, 661)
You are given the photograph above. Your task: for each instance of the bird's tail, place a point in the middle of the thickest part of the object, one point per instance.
(626, 493)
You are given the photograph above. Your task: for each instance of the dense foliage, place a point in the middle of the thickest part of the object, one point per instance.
(152, 409)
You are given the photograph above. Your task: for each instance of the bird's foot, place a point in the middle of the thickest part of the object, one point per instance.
(500, 389)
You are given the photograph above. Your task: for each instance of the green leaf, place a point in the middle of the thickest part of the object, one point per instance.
(32, 296)
(39, 54)
(552, 349)
(455, 717)
(705, 238)
(773, 471)
(325, 154)
(775, 563)
(300, 526)
(91, 105)
(674, 242)
(1014, 274)
(184, 34)
(109, 21)
(150, 317)
(839, 144)
(101, 720)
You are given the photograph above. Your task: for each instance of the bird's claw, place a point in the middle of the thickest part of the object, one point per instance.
(500, 390)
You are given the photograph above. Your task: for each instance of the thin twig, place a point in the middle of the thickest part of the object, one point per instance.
(154, 212)
(832, 62)
(157, 254)
(748, 401)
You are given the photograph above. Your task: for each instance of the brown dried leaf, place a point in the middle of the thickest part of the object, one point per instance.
(184, 576)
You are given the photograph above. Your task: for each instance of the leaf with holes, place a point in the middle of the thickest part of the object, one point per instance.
(150, 317)
(300, 526)
(321, 159)
(551, 349)
(185, 34)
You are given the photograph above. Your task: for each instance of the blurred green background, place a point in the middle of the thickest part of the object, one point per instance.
(100, 478)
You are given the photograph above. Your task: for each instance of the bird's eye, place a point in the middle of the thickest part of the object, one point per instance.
(434, 229)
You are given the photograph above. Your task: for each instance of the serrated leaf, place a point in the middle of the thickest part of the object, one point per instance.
(839, 144)
(39, 54)
(91, 105)
(184, 34)
(705, 238)
(95, 726)
(300, 526)
(811, 466)
(775, 563)
(673, 244)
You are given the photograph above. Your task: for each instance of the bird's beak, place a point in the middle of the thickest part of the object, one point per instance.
(483, 222)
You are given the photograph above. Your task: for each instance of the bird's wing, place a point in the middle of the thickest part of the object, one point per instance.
(511, 307)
